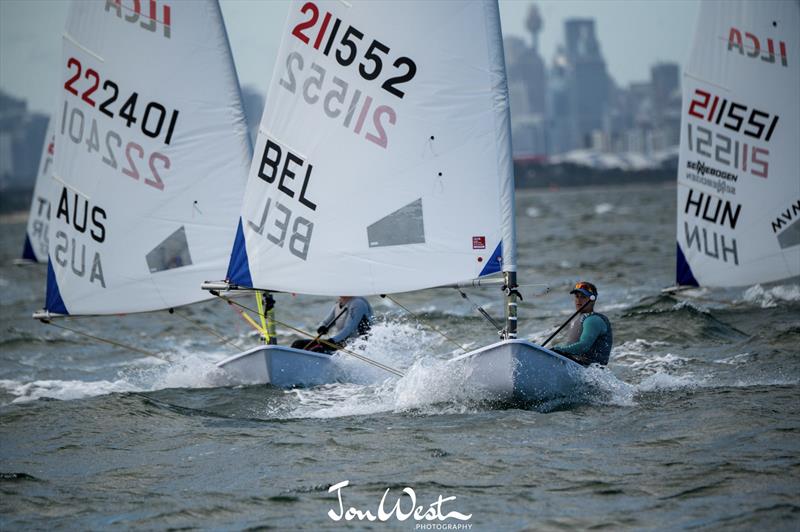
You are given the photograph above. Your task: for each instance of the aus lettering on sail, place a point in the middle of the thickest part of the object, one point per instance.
(750, 45)
(132, 11)
(71, 252)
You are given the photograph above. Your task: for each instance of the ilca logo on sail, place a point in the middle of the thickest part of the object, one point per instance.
(131, 11)
(751, 45)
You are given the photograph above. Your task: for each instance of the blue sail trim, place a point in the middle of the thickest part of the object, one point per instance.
(683, 272)
(27, 251)
(239, 267)
(53, 301)
(495, 262)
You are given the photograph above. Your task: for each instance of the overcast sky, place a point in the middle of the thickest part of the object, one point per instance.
(633, 34)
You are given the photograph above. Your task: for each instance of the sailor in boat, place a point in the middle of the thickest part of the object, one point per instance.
(352, 317)
(590, 337)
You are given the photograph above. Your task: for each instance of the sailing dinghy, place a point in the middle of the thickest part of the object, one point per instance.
(738, 218)
(382, 165)
(36, 232)
(151, 159)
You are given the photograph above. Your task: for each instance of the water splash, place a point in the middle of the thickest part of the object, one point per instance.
(63, 389)
(768, 298)
(603, 208)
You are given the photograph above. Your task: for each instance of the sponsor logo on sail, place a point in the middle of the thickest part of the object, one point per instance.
(786, 226)
(144, 13)
(717, 179)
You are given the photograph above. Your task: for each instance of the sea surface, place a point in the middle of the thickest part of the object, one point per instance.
(695, 424)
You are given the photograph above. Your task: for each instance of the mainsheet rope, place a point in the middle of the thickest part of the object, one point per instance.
(107, 341)
(142, 351)
(208, 330)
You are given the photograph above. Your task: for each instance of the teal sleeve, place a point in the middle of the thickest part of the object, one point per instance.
(593, 326)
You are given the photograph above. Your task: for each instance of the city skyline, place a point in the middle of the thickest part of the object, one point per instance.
(634, 35)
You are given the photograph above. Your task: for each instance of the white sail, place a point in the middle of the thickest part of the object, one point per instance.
(36, 239)
(151, 160)
(383, 159)
(739, 165)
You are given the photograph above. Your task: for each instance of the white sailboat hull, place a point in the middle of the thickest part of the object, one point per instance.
(281, 366)
(517, 370)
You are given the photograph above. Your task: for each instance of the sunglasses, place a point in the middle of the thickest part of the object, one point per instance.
(586, 286)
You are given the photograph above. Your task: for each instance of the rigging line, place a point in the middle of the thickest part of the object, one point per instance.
(481, 310)
(209, 330)
(249, 320)
(107, 341)
(429, 325)
(329, 344)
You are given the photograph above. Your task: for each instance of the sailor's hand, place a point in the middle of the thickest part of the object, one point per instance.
(331, 342)
(322, 330)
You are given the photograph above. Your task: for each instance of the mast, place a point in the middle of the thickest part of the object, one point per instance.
(505, 165)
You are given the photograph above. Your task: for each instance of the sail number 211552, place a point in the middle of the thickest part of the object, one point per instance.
(337, 101)
(345, 43)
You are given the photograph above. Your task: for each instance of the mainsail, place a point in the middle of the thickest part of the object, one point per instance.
(383, 159)
(151, 159)
(36, 233)
(739, 166)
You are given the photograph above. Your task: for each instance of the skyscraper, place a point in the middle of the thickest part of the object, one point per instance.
(588, 81)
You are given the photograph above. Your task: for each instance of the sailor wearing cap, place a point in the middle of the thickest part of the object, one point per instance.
(590, 337)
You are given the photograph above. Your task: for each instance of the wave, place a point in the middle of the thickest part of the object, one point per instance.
(430, 386)
(771, 297)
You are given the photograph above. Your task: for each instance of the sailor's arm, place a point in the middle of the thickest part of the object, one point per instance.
(355, 311)
(326, 323)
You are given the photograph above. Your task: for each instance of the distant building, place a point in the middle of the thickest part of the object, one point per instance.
(527, 87)
(666, 96)
(21, 139)
(575, 104)
(588, 81)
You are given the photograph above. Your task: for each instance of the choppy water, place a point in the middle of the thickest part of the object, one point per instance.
(695, 426)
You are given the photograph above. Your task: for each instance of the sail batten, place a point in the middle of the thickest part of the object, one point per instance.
(376, 166)
(739, 163)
